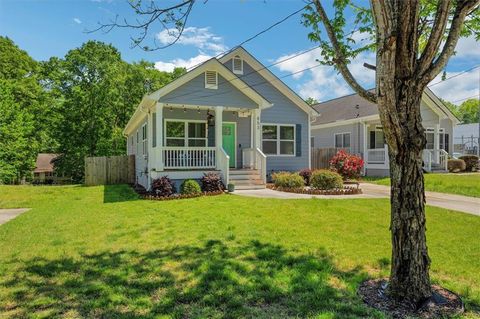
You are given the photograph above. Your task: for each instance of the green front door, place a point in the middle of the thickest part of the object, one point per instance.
(228, 141)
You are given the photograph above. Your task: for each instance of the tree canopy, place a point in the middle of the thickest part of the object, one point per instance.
(76, 106)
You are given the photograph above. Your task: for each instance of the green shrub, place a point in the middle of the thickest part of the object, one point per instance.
(471, 161)
(189, 187)
(456, 165)
(325, 179)
(288, 180)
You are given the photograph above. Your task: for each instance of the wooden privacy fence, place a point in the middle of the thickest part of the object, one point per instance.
(109, 170)
(322, 156)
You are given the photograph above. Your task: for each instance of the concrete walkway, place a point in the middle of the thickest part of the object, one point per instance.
(465, 204)
(11, 213)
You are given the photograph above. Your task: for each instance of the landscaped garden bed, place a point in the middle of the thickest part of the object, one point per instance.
(344, 168)
(164, 188)
(346, 190)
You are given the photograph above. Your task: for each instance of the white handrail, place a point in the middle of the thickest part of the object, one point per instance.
(224, 165)
(261, 164)
(444, 159)
(427, 160)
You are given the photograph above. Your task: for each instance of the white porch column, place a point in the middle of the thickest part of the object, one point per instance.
(256, 129)
(218, 131)
(150, 154)
(158, 148)
(436, 143)
(365, 147)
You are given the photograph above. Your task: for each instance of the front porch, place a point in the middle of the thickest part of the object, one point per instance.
(434, 156)
(189, 140)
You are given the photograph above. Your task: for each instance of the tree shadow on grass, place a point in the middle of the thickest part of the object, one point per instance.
(118, 193)
(254, 280)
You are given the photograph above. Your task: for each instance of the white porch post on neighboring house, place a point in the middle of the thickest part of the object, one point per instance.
(150, 154)
(365, 147)
(218, 131)
(159, 147)
(436, 143)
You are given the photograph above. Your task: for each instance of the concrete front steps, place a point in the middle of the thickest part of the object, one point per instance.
(246, 179)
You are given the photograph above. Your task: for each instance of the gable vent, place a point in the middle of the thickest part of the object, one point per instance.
(211, 80)
(237, 65)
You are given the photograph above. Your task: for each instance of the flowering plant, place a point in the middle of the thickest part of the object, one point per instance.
(347, 165)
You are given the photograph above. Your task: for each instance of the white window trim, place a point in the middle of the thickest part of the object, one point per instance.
(185, 138)
(241, 64)
(144, 139)
(342, 133)
(430, 130)
(278, 140)
(211, 86)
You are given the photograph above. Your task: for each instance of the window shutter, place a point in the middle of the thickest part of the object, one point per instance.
(211, 80)
(372, 139)
(298, 140)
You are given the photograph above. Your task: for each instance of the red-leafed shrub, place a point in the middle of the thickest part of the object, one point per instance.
(306, 173)
(347, 165)
(212, 182)
(163, 186)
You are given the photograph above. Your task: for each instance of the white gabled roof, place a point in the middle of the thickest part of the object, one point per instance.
(271, 78)
(213, 64)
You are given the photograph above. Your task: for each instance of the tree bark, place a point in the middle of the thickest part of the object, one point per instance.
(409, 277)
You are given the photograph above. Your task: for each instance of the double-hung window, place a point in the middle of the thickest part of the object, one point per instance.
(278, 139)
(184, 133)
(342, 140)
(430, 136)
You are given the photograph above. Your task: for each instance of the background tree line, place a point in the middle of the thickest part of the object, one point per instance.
(76, 106)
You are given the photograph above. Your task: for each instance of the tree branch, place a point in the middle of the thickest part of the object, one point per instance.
(435, 39)
(172, 18)
(462, 10)
(340, 61)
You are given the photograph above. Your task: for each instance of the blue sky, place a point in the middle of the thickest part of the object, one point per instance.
(51, 28)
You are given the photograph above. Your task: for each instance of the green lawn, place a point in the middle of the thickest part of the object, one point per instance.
(95, 252)
(461, 184)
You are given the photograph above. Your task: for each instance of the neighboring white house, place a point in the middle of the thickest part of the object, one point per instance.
(230, 115)
(466, 139)
(352, 123)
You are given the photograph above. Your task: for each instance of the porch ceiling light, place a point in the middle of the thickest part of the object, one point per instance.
(210, 119)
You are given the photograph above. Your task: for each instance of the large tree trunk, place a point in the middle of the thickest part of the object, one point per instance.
(409, 278)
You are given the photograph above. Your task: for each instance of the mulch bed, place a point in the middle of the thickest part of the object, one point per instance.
(346, 190)
(142, 192)
(443, 303)
(180, 196)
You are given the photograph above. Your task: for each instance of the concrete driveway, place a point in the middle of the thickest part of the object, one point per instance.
(11, 213)
(465, 204)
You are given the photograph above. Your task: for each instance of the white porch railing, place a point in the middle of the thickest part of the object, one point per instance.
(435, 159)
(189, 157)
(254, 158)
(224, 165)
(377, 158)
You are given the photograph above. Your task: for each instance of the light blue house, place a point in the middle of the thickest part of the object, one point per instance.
(230, 115)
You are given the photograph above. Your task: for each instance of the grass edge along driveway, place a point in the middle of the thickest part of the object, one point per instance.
(101, 252)
(467, 184)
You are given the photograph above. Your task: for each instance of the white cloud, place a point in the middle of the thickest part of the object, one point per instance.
(457, 88)
(200, 38)
(77, 20)
(170, 65)
(467, 48)
(324, 82)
